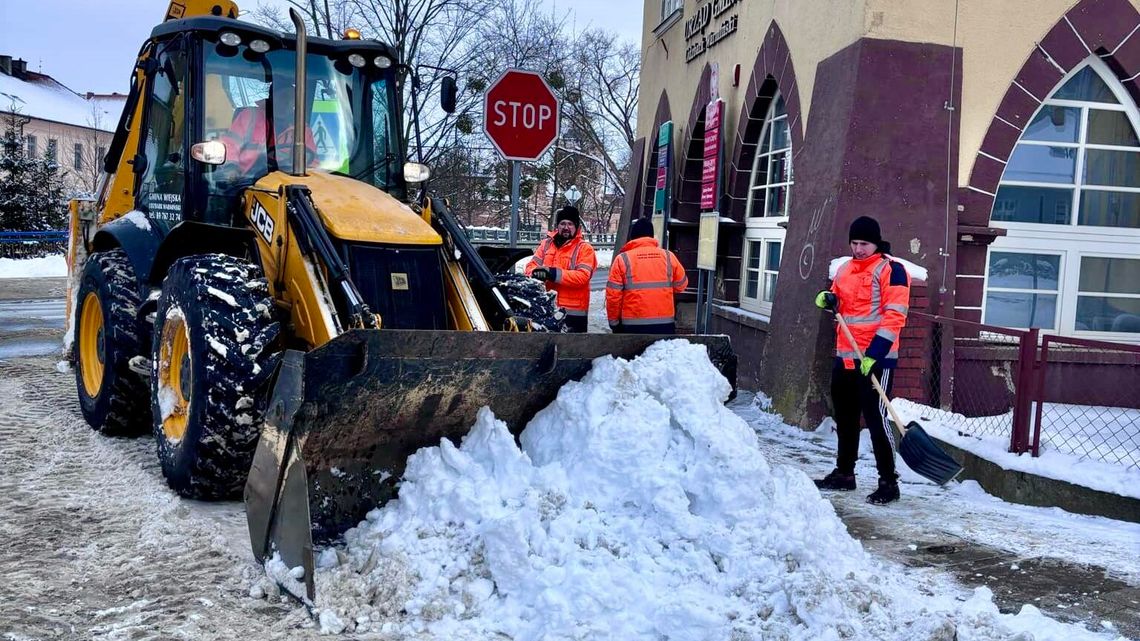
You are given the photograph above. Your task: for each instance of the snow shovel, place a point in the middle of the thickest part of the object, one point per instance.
(919, 451)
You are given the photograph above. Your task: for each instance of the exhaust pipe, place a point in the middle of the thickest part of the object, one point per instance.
(299, 162)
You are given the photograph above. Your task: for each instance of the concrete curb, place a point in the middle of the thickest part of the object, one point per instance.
(1030, 489)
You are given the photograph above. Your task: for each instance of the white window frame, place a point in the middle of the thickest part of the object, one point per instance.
(1074, 241)
(669, 7)
(764, 230)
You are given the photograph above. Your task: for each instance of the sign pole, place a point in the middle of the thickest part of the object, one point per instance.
(516, 178)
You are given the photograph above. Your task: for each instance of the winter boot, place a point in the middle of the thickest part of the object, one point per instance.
(838, 481)
(888, 492)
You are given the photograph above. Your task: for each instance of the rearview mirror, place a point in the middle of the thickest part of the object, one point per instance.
(447, 93)
(211, 152)
(415, 172)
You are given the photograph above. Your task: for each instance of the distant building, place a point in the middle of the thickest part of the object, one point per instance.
(76, 128)
(998, 143)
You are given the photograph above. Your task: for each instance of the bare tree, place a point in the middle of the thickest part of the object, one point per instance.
(93, 147)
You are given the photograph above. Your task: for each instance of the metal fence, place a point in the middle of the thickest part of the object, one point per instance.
(1037, 392)
(489, 235)
(32, 244)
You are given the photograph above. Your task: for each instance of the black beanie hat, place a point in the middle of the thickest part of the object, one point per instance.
(569, 212)
(642, 228)
(867, 229)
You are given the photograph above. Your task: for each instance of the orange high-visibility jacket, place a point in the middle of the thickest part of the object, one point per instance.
(874, 295)
(643, 278)
(576, 263)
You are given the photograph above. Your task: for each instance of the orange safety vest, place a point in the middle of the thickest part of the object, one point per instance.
(576, 263)
(643, 279)
(874, 295)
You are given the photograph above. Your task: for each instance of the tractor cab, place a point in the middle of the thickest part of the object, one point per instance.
(220, 116)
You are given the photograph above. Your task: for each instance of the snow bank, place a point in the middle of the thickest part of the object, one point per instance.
(638, 507)
(47, 266)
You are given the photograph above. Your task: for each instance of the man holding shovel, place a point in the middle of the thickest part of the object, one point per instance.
(872, 293)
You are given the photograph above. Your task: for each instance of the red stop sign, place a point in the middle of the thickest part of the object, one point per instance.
(520, 115)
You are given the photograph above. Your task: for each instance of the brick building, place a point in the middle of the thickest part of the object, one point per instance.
(996, 142)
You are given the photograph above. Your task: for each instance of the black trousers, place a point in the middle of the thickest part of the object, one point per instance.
(853, 395)
(577, 324)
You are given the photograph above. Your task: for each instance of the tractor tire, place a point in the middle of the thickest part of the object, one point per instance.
(214, 352)
(113, 399)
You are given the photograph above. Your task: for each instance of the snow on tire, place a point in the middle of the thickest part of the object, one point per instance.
(215, 348)
(112, 397)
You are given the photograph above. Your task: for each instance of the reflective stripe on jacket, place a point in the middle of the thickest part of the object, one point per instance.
(874, 295)
(643, 279)
(576, 263)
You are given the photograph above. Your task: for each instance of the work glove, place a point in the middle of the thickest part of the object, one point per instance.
(826, 300)
(552, 274)
(540, 273)
(865, 365)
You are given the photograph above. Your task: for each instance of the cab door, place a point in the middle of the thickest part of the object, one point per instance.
(160, 190)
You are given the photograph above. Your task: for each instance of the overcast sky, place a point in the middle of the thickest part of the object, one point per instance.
(89, 45)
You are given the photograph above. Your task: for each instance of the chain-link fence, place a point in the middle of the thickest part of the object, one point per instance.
(968, 374)
(1087, 402)
(32, 244)
(1035, 392)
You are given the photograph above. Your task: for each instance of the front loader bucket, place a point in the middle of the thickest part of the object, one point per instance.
(343, 419)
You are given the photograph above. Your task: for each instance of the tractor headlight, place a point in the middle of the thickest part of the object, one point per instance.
(356, 60)
(415, 172)
(259, 46)
(230, 38)
(382, 62)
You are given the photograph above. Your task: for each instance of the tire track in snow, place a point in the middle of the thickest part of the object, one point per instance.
(97, 547)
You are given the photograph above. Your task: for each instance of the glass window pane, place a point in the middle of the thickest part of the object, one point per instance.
(1110, 275)
(773, 263)
(1086, 85)
(780, 133)
(1111, 128)
(754, 255)
(778, 168)
(1054, 124)
(1108, 314)
(777, 205)
(758, 201)
(769, 288)
(1033, 205)
(781, 108)
(1040, 164)
(1112, 168)
(1109, 209)
(1015, 309)
(1024, 271)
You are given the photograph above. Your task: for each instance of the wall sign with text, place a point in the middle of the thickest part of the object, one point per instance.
(709, 26)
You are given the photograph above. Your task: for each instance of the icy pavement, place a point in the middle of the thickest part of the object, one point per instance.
(638, 506)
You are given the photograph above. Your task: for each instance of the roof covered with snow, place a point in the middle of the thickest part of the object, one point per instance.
(41, 96)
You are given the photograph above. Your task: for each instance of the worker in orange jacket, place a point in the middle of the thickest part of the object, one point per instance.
(643, 279)
(872, 292)
(566, 262)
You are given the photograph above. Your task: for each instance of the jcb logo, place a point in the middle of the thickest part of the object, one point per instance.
(262, 221)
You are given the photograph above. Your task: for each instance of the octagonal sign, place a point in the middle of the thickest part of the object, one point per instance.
(520, 115)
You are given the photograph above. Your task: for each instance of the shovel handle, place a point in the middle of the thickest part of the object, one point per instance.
(874, 379)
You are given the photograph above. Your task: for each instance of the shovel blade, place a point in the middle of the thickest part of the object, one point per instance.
(923, 455)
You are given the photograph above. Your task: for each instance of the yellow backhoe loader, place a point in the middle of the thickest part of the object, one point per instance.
(258, 286)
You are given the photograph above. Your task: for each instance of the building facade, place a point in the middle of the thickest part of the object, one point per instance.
(72, 129)
(995, 142)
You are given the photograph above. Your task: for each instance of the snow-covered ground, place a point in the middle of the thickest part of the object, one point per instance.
(1110, 471)
(636, 506)
(47, 266)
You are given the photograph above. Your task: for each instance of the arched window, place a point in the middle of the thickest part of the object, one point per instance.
(1070, 201)
(766, 214)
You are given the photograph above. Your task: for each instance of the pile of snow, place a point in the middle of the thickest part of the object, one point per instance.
(47, 266)
(638, 507)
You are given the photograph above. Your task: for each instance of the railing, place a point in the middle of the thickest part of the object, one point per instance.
(1088, 400)
(491, 235)
(1037, 392)
(32, 244)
